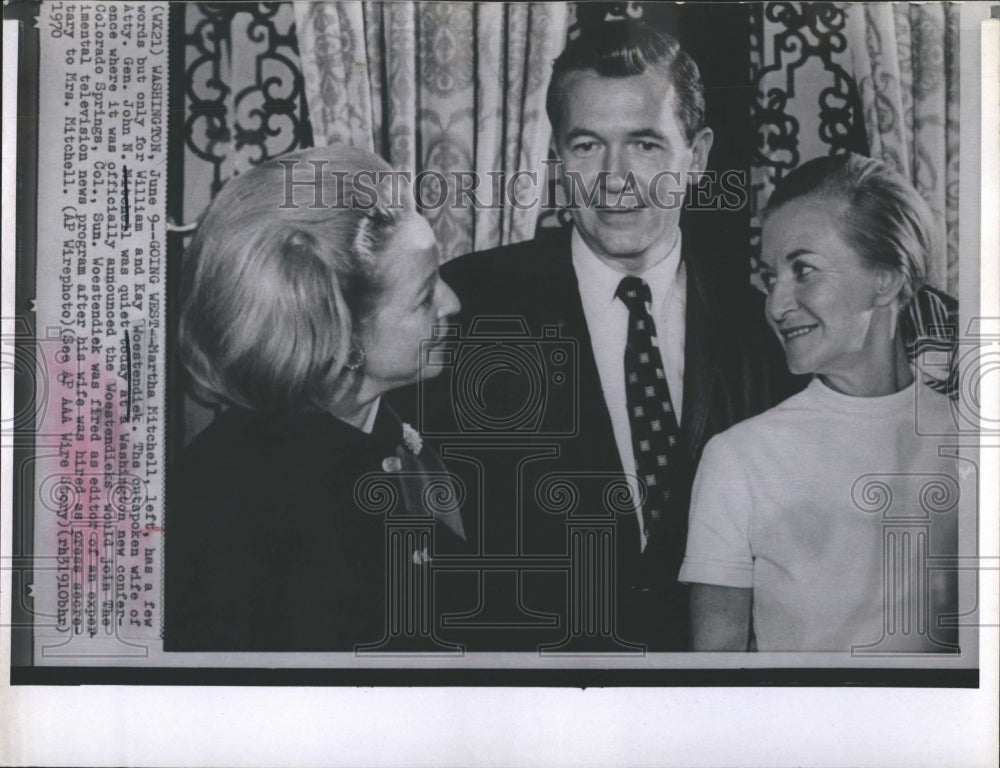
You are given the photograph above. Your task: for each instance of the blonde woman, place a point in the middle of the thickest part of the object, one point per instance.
(302, 304)
(779, 532)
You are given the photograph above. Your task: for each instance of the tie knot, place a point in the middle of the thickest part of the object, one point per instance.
(634, 293)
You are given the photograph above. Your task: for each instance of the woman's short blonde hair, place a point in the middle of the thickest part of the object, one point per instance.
(278, 277)
(883, 216)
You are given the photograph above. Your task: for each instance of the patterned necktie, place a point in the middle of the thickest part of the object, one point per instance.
(655, 433)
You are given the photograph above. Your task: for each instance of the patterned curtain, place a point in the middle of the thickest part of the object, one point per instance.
(906, 62)
(439, 87)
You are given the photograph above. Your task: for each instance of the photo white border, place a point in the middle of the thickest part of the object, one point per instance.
(48, 725)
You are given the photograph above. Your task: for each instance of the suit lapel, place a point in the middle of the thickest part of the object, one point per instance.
(595, 447)
(592, 408)
(701, 355)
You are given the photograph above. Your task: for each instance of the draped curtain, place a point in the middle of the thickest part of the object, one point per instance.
(440, 87)
(906, 63)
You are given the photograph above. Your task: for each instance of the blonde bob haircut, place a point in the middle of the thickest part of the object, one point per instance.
(281, 274)
(883, 216)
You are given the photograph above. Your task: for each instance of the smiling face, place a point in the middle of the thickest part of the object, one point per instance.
(620, 137)
(413, 298)
(822, 297)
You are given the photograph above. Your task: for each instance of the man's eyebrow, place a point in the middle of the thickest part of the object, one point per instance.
(650, 132)
(578, 132)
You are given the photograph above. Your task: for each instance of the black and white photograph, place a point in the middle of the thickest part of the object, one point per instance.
(625, 352)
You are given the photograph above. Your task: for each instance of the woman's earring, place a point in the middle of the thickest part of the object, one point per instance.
(355, 359)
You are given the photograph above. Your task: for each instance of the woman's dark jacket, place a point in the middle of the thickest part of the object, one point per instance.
(266, 547)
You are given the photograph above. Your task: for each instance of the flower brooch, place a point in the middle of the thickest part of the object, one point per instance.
(412, 439)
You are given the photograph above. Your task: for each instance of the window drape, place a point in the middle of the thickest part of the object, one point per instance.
(440, 87)
(906, 63)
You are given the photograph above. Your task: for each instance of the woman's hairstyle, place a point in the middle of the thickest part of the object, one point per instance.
(624, 49)
(883, 217)
(281, 271)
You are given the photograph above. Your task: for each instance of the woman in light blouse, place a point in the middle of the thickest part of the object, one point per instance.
(790, 544)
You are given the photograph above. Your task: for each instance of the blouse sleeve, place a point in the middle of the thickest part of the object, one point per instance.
(718, 543)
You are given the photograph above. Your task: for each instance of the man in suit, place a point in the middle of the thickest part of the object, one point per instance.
(671, 348)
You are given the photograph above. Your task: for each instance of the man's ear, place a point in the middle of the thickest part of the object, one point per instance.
(700, 147)
(888, 284)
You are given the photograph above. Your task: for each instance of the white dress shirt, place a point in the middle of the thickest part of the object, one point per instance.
(607, 321)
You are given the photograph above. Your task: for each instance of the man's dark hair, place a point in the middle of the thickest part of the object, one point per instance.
(624, 49)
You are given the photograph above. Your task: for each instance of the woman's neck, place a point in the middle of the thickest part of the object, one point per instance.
(885, 370)
(356, 414)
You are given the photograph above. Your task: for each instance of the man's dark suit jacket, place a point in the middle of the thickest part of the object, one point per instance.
(734, 368)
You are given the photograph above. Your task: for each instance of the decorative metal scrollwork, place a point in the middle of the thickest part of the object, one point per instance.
(243, 85)
(206, 129)
(274, 106)
(809, 31)
(800, 34)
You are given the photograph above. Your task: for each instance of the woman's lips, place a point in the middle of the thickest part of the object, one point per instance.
(800, 330)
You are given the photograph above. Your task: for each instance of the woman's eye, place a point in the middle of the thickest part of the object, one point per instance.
(768, 279)
(801, 270)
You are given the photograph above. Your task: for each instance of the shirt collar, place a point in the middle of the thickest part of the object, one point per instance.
(598, 282)
(369, 424)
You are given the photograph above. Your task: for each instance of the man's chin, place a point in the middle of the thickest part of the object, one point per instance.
(621, 251)
(627, 247)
